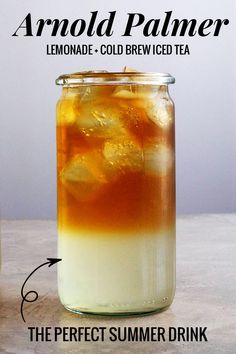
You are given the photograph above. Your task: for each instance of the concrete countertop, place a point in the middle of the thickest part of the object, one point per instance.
(205, 294)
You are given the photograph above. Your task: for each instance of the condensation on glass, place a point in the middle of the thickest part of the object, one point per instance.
(116, 192)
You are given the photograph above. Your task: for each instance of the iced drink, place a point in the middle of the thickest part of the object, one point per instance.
(116, 194)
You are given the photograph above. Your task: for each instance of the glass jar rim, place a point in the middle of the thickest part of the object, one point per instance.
(114, 78)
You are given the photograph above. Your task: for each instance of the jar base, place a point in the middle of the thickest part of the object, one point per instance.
(137, 313)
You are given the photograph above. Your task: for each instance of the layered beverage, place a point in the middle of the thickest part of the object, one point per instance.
(116, 193)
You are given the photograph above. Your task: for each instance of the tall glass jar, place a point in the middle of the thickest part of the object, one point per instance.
(116, 192)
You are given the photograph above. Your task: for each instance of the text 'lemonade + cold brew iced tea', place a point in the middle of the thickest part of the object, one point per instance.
(116, 192)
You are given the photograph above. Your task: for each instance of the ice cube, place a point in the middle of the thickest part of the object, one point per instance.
(84, 176)
(158, 158)
(93, 92)
(124, 92)
(76, 99)
(160, 111)
(69, 107)
(100, 120)
(135, 91)
(66, 111)
(123, 155)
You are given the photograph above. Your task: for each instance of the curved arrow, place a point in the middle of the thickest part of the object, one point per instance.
(50, 262)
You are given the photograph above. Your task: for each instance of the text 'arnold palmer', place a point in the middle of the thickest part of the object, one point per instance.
(136, 23)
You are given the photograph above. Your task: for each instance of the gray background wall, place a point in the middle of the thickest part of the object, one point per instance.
(204, 94)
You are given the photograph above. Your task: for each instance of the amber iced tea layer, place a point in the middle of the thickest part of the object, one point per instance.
(115, 160)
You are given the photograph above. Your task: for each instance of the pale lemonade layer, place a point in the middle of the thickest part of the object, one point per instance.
(116, 273)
